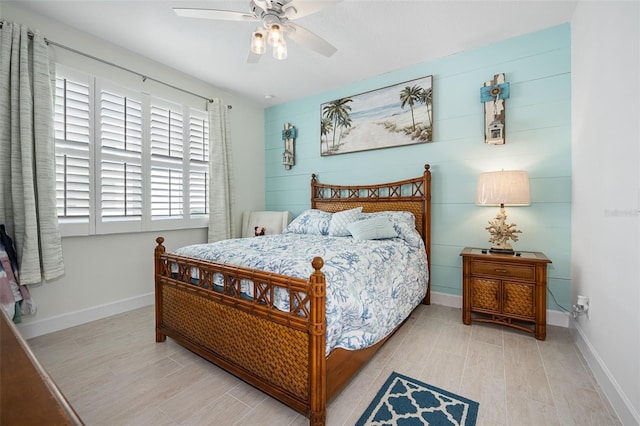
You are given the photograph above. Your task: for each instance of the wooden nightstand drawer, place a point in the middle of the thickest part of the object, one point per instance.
(502, 270)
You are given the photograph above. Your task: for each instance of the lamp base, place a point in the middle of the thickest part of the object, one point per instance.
(501, 251)
(501, 232)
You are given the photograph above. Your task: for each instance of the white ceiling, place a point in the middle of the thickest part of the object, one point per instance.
(373, 37)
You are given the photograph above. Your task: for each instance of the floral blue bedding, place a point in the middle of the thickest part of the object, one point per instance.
(372, 285)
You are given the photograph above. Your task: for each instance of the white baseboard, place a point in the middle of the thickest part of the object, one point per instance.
(560, 319)
(445, 299)
(616, 396)
(37, 328)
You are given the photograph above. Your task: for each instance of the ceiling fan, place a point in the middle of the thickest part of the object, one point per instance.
(275, 17)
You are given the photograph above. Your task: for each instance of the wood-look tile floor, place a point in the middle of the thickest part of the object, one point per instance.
(114, 373)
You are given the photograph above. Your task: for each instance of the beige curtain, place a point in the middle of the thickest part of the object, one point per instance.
(221, 191)
(27, 160)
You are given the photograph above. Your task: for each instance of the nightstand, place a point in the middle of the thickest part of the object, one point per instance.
(505, 289)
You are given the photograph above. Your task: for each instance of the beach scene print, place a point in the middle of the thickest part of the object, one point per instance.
(396, 115)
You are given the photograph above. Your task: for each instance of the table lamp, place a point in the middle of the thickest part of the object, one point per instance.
(503, 188)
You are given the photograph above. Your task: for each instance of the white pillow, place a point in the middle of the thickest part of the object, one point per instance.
(376, 228)
(312, 222)
(340, 220)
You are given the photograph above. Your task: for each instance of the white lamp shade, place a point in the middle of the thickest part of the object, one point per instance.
(508, 187)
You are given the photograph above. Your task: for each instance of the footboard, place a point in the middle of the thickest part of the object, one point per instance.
(281, 353)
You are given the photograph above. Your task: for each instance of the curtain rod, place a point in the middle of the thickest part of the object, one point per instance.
(144, 77)
(95, 58)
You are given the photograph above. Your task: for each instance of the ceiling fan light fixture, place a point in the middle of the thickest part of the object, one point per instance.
(275, 34)
(274, 18)
(280, 50)
(258, 42)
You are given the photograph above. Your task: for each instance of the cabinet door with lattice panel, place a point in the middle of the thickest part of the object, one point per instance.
(485, 295)
(518, 299)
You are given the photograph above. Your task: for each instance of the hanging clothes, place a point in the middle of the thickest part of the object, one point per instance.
(15, 298)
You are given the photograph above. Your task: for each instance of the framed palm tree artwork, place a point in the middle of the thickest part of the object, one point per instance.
(396, 115)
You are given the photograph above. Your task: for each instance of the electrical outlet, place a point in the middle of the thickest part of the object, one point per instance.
(581, 307)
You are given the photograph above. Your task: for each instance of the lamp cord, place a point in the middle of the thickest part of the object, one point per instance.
(556, 302)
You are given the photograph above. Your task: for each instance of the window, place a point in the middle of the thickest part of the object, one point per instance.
(127, 161)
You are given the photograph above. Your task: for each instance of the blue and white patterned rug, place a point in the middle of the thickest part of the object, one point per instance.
(403, 401)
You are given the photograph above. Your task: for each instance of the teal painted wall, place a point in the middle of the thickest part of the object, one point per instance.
(538, 123)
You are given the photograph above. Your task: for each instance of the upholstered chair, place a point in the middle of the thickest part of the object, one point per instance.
(273, 222)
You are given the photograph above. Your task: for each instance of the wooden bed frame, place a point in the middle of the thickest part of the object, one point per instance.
(281, 353)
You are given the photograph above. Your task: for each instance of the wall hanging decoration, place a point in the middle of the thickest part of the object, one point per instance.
(493, 95)
(396, 115)
(289, 138)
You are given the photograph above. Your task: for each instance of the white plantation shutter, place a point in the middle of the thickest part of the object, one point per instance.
(72, 126)
(127, 161)
(198, 137)
(166, 131)
(198, 192)
(166, 192)
(72, 185)
(121, 189)
(198, 163)
(120, 156)
(166, 141)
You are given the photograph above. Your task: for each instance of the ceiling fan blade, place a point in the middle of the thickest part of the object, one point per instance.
(263, 4)
(309, 40)
(295, 9)
(225, 15)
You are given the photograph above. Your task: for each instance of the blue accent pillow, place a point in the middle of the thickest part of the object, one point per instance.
(312, 222)
(376, 228)
(404, 224)
(340, 221)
